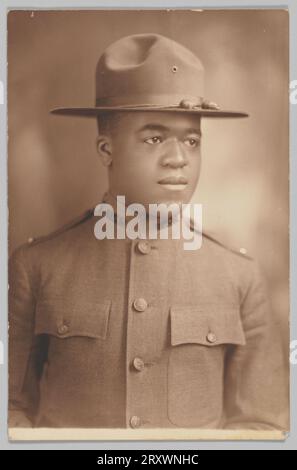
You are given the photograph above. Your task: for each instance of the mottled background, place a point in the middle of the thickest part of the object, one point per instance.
(53, 170)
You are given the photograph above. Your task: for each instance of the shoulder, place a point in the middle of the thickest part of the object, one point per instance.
(66, 228)
(234, 263)
(239, 256)
(215, 242)
(242, 270)
(70, 230)
(240, 252)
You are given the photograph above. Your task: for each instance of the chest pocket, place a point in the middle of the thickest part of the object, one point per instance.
(199, 336)
(57, 318)
(76, 334)
(210, 325)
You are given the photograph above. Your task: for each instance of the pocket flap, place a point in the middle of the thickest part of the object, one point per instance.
(55, 317)
(210, 325)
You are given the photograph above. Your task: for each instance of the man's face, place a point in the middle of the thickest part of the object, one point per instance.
(155, 157)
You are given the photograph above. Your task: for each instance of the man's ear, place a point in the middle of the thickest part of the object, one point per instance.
(104, 148)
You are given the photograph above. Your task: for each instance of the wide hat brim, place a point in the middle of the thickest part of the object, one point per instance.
(95, 111)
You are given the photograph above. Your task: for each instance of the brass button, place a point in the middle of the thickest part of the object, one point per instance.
(144, 247)
(140, 304)
(63, 329)
(211, 337)
(189, 104)
(138, 364)
(135, 422)
(30, 239)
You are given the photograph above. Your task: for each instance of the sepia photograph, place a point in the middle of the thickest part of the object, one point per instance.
(148, 198)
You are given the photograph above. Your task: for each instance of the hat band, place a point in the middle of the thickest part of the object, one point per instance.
(149, 100)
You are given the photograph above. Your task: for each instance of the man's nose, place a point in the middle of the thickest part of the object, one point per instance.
(174, 156)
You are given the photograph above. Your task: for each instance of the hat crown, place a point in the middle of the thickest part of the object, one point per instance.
(148, 69)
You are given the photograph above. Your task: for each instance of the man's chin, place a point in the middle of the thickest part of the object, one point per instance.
(165, 203)
(176, 198)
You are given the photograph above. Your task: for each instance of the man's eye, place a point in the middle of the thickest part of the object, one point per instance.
(153, 140)
(191, 142)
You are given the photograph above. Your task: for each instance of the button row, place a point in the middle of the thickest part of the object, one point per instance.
(135, 422)
(140, 304)
(138, 364)
(144, 247)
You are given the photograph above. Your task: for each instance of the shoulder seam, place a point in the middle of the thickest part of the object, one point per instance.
(64, 228)
(217, 242)
(232, 250)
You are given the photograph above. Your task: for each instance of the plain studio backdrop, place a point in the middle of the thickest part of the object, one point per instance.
(53, 168)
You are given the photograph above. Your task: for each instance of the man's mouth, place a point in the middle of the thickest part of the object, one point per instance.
(174, 183)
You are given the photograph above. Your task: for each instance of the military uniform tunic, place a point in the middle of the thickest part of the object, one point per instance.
(141, 333)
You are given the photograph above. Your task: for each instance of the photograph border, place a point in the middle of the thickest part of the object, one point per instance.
(170, 439)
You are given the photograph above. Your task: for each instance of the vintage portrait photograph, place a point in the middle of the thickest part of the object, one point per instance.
(148, 197)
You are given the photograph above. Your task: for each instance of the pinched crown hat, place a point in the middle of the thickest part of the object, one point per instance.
(149, 72)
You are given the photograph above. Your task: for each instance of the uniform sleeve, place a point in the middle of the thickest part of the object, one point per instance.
(256, 374)
(23, 345)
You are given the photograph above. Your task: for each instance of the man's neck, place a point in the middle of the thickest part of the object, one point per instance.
(119, 205)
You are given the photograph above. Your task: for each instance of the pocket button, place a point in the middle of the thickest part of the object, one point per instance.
(63, 329)
(211, 337)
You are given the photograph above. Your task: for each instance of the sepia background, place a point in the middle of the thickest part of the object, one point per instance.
(53, 170)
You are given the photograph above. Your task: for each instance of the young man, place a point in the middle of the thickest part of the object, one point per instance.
(142, 333)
